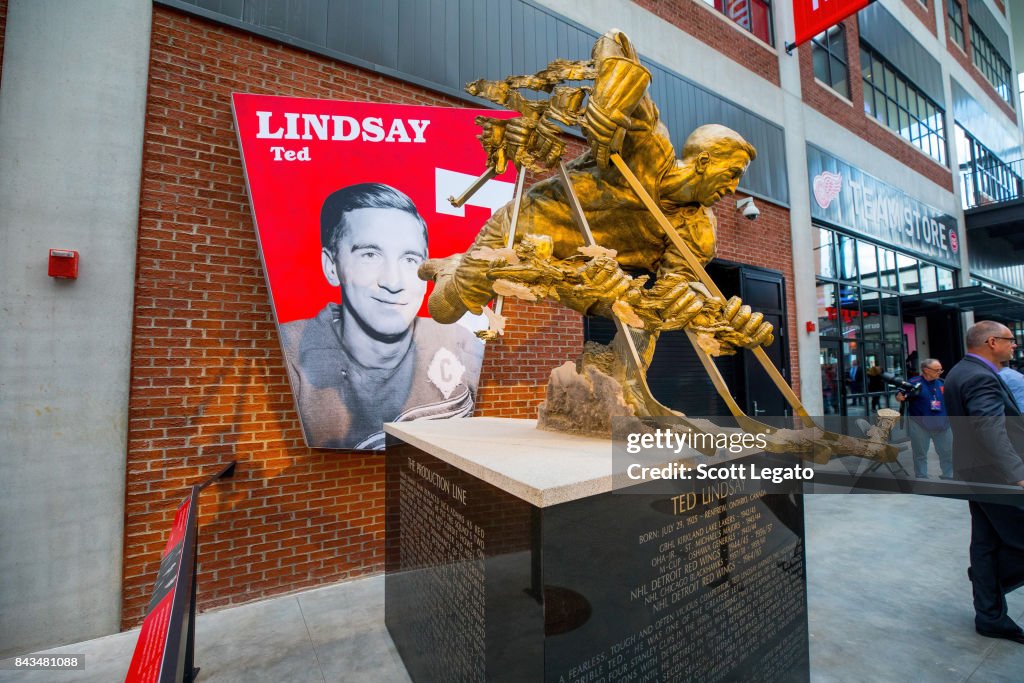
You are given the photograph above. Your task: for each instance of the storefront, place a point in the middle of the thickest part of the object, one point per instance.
(876, 249)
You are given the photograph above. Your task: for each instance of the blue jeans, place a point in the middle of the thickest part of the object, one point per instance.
(919, 441)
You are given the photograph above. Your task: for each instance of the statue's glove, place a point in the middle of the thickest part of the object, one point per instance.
(675, 301)
(603, 279)
(750, 325)
(493, 138)
(532, 143)
(600, 281)
(620, 85)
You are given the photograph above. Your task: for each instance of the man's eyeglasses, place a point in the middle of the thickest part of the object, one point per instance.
(1012, 340)
(938, 370)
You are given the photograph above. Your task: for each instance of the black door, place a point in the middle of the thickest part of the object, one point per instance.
(676, 376)
(764, 291)
(945, 336)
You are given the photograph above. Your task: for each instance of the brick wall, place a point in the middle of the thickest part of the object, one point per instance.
(713, 28)
(850, 113)
(963, 57)
(925, 14)
(3, 32)
(208, 381)
(767, 243)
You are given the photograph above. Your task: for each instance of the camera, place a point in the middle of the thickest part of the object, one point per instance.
(903, 386)
(748, 208)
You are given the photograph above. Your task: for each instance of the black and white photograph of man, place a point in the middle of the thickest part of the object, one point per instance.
(370, 359)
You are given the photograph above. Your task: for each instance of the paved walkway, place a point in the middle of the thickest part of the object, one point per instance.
(887, 593)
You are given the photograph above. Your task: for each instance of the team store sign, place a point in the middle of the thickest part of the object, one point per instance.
(845, 196)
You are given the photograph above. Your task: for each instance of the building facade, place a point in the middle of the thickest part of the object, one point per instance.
(876, 142)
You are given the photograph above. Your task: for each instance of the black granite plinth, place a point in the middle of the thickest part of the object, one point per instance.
(705, 585)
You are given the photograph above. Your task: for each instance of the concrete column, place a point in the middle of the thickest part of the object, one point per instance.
(801, 231)
(72, 110)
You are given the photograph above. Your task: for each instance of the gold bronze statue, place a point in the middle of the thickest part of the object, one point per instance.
(627, 204)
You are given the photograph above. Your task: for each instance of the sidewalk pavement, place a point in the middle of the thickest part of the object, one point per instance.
(888, 600)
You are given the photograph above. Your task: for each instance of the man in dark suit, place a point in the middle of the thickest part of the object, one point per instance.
(988, 446)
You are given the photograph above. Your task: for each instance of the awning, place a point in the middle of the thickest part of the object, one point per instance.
(987, 304)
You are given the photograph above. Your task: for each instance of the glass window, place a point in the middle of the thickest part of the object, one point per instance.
(828, 325)
(955, 23)
(881, 109)
(910, 281)
(753, 15)
(886, 269)
(874, 365)
(868, 263)
(871, 314)
(889, 85)
(859, 320)
(898, 104)
(945, 279)
(829, 56)
(892, 324)
(989, 62)
(841, 77)
(849, 310)
(894, 361)
(825, 258)
(929, 283)
(877, 72)
(854, 379)
(901, 93)
(830, 376)
(847, 257)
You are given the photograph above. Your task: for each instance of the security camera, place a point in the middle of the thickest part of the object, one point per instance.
(748, 208)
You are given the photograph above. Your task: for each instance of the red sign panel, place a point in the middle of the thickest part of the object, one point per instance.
(811, 17)
(348, 200)
(148, 657)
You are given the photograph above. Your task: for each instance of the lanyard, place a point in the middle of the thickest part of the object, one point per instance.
(932, 394)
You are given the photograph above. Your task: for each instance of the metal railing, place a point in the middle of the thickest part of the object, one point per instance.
(988, 180)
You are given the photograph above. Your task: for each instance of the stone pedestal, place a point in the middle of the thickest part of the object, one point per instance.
(510, 558)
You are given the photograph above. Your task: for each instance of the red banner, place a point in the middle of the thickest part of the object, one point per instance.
(346, 309)
(811, 17)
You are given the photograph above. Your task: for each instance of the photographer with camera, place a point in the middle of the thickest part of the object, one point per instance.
(929, 423)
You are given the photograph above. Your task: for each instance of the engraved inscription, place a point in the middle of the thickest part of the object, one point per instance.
(723, 591)
(443, 553)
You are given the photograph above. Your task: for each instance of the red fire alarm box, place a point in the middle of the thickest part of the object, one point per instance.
(63, 263)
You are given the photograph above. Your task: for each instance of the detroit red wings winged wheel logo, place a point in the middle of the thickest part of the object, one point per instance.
(826, 187)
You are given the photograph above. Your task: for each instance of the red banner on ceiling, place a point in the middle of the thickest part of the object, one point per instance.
(811, 17)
